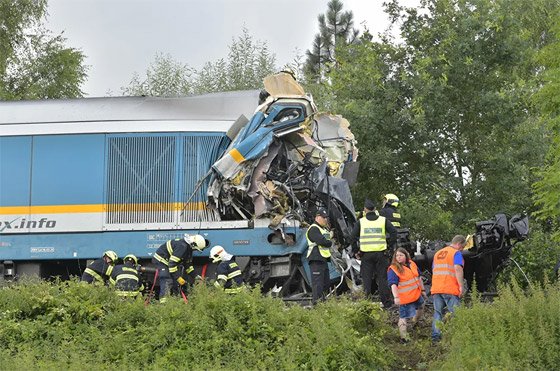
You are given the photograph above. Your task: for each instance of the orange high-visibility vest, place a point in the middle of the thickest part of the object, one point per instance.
(444, 280)
(409, 283)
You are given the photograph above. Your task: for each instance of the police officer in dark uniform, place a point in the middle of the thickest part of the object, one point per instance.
(167, 259)
(319, 240)
(126, 278)
(369, 243)
(389, 209)
(100, 269)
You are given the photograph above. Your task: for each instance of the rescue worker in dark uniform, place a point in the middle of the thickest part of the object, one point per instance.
(228, 273)
(126, 278)
(319, 241)
(169, 256)
(369, 243)
(100, 269)
(389, 209)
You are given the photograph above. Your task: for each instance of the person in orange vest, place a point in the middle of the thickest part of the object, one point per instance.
(447, 281)
(404, 279)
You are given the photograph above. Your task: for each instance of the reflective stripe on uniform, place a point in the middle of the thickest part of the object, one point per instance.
(126, 276)
(175, 259)
(408, 282)
(396, 223)
(233, 290)
(407, 289)
(94, 274)
(127, 293)
(234, 274)
(445, 269)
(161, 259)
(169, 248)
(190, 269)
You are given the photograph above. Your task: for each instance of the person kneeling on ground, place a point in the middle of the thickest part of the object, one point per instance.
(408, 290)
(127, 279)
(100, 269)
(228, 272)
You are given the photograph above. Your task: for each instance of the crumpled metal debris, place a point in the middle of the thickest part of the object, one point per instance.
(287, 161)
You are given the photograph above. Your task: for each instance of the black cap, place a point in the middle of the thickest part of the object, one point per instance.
(322, 212)
(369, 204)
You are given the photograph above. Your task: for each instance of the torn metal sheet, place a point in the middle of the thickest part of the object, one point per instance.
(287, 161)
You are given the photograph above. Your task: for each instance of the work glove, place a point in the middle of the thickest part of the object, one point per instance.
(181, 281)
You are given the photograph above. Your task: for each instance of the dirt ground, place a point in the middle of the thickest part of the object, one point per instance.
(416, 354)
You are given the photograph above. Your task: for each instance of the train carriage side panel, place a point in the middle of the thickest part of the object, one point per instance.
(67, 183)
(15, 182)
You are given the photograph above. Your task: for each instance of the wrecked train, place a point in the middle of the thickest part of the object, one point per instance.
(82, 176)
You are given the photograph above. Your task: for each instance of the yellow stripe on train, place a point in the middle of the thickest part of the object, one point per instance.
(100, 208)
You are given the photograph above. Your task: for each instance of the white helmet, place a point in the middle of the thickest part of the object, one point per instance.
(197, 242)
(217, 253)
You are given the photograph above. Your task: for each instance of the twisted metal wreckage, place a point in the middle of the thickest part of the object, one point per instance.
(285, 162)
(288, 160)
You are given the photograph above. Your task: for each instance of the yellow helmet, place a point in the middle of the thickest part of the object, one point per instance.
(131, 257)
(111, 255)
(392, 199)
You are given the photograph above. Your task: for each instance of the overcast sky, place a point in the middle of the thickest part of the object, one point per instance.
(120, 37)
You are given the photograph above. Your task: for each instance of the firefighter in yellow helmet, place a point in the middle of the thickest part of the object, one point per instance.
(389, 209)
(169, 256)
(126, 278)
(100, 269)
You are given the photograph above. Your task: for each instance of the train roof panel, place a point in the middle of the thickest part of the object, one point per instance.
(209, 112)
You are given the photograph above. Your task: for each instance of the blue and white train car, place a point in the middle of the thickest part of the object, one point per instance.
(82, 176)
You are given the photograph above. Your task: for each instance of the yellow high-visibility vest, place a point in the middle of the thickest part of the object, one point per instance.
(324, 251)
(372, 234)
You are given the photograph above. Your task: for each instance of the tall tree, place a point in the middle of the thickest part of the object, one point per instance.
(33, 63)
(164, 77)
(247, 64)
(444, 115)
(336, 28)
(548, 100)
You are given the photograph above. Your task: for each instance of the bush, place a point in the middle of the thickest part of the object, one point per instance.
(537, 257)
(518, 331)
(71, 325)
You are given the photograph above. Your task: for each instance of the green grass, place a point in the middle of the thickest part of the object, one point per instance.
(70, 325)
(75, 326)
(518, 331)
